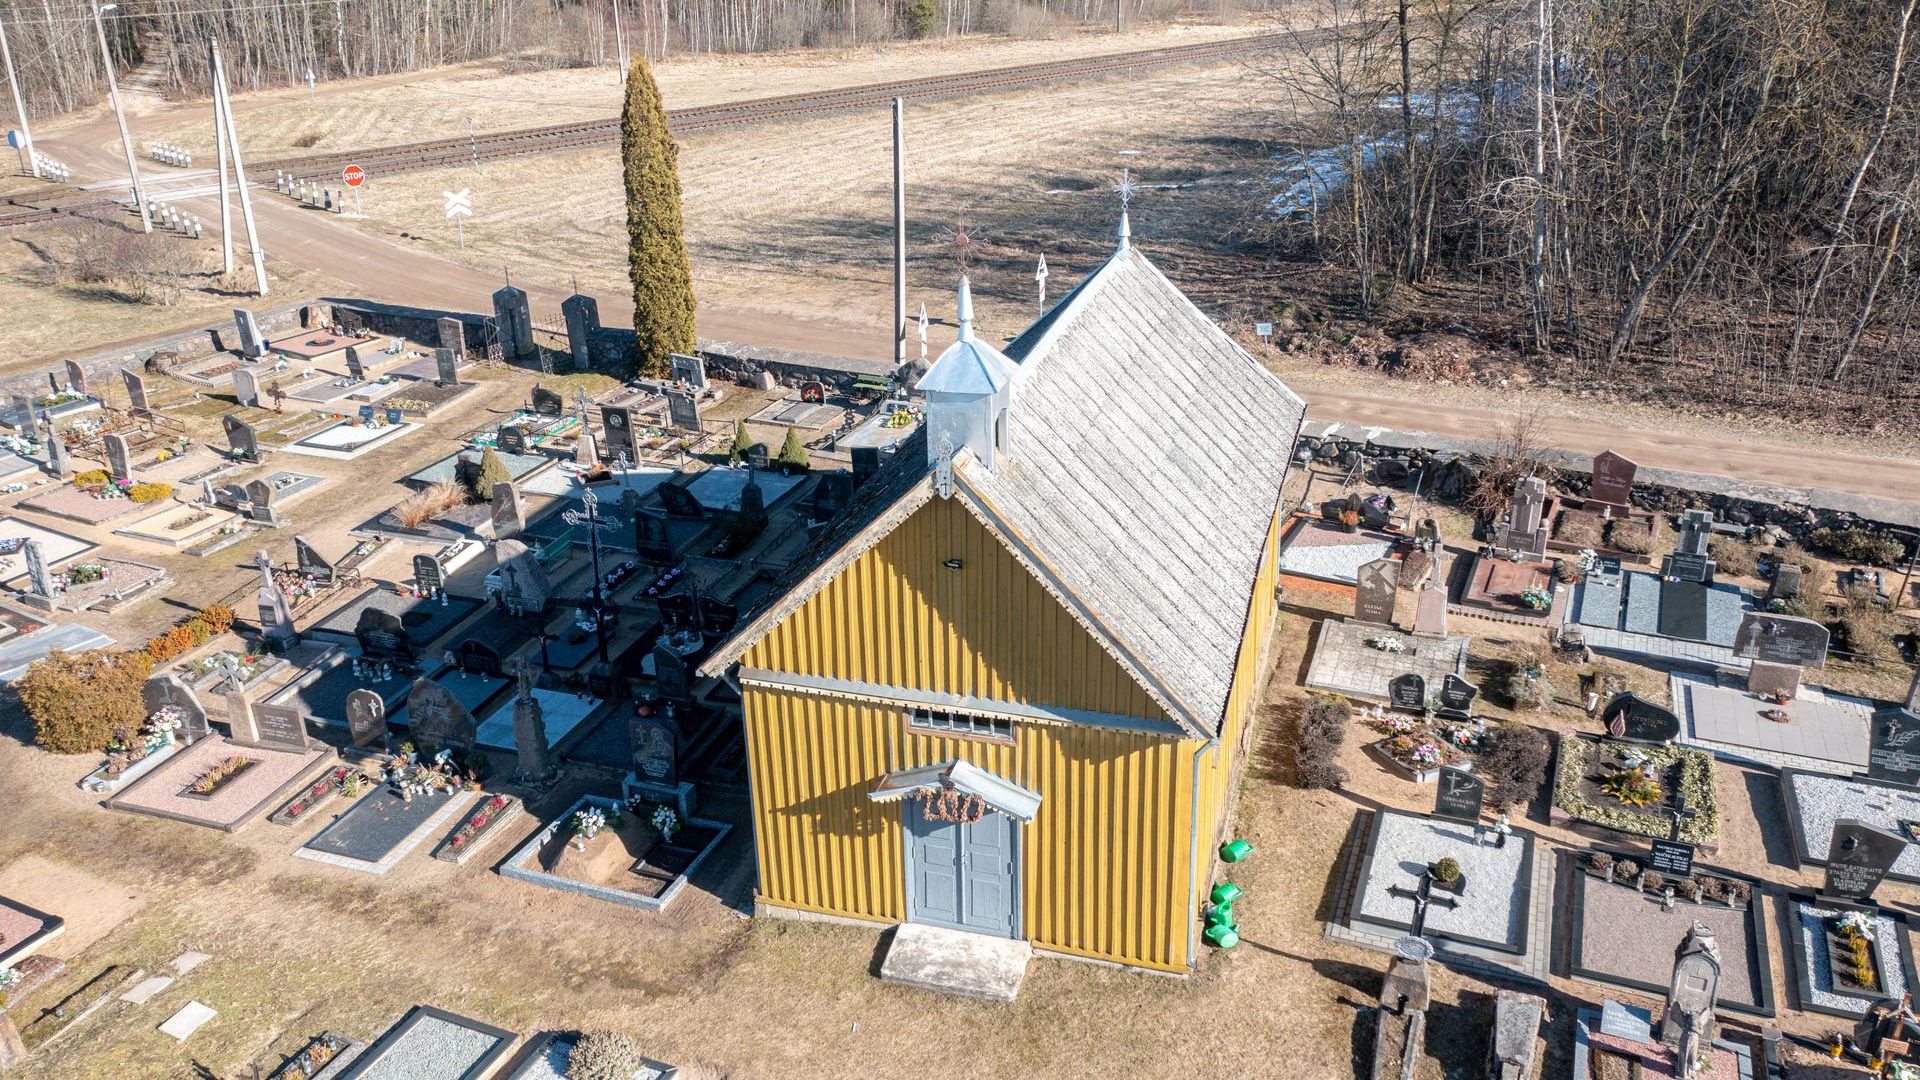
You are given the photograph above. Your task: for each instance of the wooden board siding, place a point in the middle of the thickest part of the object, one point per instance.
(898, 616)
(1104, 862)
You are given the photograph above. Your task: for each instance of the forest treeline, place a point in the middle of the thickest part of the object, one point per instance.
(1718, 197)
(271, 43)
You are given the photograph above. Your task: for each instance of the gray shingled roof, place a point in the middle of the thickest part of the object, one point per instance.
(1145, 453)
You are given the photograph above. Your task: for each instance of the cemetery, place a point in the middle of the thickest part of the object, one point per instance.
(1844, 957)
(350, 437)
(629, 853)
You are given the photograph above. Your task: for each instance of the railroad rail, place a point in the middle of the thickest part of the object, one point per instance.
(29, 209)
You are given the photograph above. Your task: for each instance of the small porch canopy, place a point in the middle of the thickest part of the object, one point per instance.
(997, 792)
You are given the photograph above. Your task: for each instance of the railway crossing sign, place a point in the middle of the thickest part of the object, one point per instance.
(459, 207)
(354, 175)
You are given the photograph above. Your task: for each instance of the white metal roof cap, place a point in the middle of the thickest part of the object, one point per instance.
(998, 792)
(968, 367)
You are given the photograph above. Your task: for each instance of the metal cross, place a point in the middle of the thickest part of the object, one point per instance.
(1422, 897)
(1678, 813)
(1125, 188)
(591, 519)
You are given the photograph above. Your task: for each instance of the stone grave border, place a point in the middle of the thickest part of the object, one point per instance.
(1586, 1021)
(51, 927)
(1790, 803)
(1516, 949)
(1757, 903)
(387, 434)
(347, 1052)
(495, 827)
(517, 864)
(324, 759)
(371, 1056)
(303, 486)
(1604, 833)
(430, 826)
(217, 520)
(1799, 968)
(536, 1050)
(33, 504)
(97, 782)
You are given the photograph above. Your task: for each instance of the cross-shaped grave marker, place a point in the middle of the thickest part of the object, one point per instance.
(1422, 897)
(1678, 813)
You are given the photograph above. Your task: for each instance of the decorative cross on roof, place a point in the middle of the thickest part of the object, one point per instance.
(1125, 188)
(961, 241)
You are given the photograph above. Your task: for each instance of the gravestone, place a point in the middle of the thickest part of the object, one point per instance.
(515, 321)
(1893, 748)
(252, 342)
(57, 461)
(39, 574)
(650, 539)
(753, 501)
(524, 585)
(1781, 639)
(1631, 718)
(1612, 480)
(676, 611)
(76, 377)
(683, 409)
(1375, 589)
(169, 690)
(1858, 858)
(586, 452)
(582, 314)
(656, 748)
(689, 371)
(1408, 693)
(1673, 859)
(367, 718)
(119, 456)
(670, 672)
(1459, 795)
(832, 491)
(136, 391)
(355, 369)
(260, 495)
(382, 636)
(616, 421)
(230, 496)
(312, 564)
(1456, 698)
(276, 618)
(1772, 681)
(451, 334)
(509, 518)
(530, 727)
(512, 439)
(865, 461)
(1786, 582)
(20, 414)
(246, 389)
(1525, 533)
(476, 657)
(1430, 611)
(547, 402)
(681, 503)
(1696, 528)
(446, 368)
(241, 438)
(273, 727)
(1688, 1023)
(436, 719)
(716, 616)
(427, 576)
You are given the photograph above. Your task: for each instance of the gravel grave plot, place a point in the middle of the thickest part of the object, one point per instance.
(1625, 935)
(57, 547)
(1494, 908)
(1822, 800)
(1810, 930)
(424, 620)
(71, 502)
(551, 1064)
(377, 824)
(159, 792)
(431, 1045)
(17, 925)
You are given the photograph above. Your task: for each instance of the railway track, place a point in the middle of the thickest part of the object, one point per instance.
(28, 209)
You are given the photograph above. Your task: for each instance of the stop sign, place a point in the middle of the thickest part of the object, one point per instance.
(354, 175)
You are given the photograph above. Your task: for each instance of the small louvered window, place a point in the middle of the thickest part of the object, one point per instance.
(952, 723)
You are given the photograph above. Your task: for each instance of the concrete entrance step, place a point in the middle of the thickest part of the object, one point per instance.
(956, 962)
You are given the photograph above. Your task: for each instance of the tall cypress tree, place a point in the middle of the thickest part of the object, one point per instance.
(657, 246)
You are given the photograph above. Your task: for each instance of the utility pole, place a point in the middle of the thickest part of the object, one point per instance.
(220, 141)
(619, 42)
(28, 163)
(224, 105)
(899, 232)
(126, 139)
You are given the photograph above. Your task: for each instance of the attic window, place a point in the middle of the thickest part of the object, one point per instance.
(1000, 431)
(952, 723)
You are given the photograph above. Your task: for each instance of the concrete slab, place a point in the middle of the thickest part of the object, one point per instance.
(956, 962)
(145, 992)
(188, 1020)
(187, 961)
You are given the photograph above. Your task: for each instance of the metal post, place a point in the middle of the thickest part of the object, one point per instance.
(226, 211)
(225, 106)
(126, 139)
(619, 42)
(899, 233)
(27, 161)
(473, 147)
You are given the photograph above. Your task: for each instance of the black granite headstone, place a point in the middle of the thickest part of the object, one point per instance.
(1781, 639)
(1671, 858)
(427, 578)
(1459, 795)
(512, 439)
(1456, 697)
(1408, 693)
(1858, 858)
(382, 635)
(716, 616)
(866, 462)
(1893, 747)
(1634, 719)
(311, 562)
(650, 539)
(478, 658)
(616, 421)
(680, 502)
(547, 403)
(676, 611)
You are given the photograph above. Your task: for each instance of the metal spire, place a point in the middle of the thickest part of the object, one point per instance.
(966, 309)
(1125, 188)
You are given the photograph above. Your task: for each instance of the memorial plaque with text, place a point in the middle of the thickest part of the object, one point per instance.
(1459, 795)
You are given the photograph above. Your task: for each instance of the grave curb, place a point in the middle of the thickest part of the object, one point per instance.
(304, 776)
(512, 866)
(1791, 802)
(1800, 975)
(371, 1055)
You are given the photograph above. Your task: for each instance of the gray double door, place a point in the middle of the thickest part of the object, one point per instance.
(963, 875)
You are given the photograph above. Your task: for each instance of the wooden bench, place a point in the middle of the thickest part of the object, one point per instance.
(554, 551)
(870, 384)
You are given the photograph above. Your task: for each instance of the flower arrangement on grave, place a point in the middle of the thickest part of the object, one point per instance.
(588, 822)
(1856, 924)
(222, 771)
(1426, 753)
(1419, 750)
(82, 574)
(59, 397)
(488, 813)
(1536, 598)
(1387, 644)
(665, 821)
(1900, 1070)
(1633, 787)
(1502, 826)
(1854, 929)
(1447, 870)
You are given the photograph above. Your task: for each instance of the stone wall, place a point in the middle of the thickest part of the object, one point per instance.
(1398, 458)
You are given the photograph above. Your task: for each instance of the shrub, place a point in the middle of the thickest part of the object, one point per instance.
(1626, 870)
(1733, 557)
(1447, 870)
(170, 644)
(146, 493)
(1688, 890)
(1633, 787)
(793, 454)
(919, 17)
(742, 442)
(1869, 627)
(1653, 882)
(1737, 892)
(1516, 766)
(1528, 691)
(90, 478)
(196, 630)
(423, 507)
(1316, 749)
(1860, 545)
(1632, 537)
(1600, 862)
(218, 617)
(493, 472)
(605, 1055)
(1568, 571)
(76, 701)
(1579, 529)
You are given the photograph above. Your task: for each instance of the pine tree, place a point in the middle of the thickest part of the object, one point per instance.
(492, 471)
(742, 442)
(793, 454)
(657, 245)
